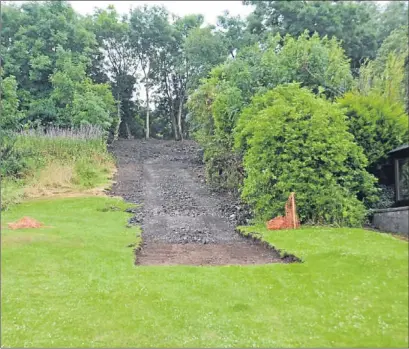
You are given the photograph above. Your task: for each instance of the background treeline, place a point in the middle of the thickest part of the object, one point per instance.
(300, 95)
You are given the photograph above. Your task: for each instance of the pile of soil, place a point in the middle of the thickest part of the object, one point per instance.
(25, 222)
(182, 220)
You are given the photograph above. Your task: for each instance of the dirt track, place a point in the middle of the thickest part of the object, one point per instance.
(183, 221)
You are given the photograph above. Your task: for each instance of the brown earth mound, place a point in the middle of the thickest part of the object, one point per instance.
(25, 222)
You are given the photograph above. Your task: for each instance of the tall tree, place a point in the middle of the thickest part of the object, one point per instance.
(353, 22)
(113, 33)
(204, 49)
(392, 17)
(149, 34)
(387, 75)
(234, 32)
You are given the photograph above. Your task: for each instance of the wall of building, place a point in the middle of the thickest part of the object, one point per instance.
(392, 220)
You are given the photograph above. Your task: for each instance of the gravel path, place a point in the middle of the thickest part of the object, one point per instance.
(182, 219)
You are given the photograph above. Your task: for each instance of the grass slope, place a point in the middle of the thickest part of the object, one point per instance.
(73, 284)
(56, 163)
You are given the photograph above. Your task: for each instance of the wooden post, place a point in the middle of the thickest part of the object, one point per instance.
(293, 208)
(397, 188)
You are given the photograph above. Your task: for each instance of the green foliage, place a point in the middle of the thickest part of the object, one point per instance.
(226, 106)
(388, 75)
(204, 50)
(223, 169)
(234, 33)
(78, 100)
(12, 161)
(9, 105)
(113, 34)
(86, 175)
(295, 141)
(318, 63)
(313, 61)
(394, 16)
(377, 124)
(48, 57)
(386, 197)
(354, 22)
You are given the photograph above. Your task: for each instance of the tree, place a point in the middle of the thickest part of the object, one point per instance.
(10, 114)
(394, 16)
(204, 50)
(317, 63)
(387, 75)
(149, 33)
(113, 35)
(378, 125)
(76, 98)
(293, 140)
(173, 71)
(234, 32)
(354, 23)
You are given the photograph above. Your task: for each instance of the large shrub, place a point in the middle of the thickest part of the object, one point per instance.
(319, 63)
(9, 105)
(292, 140)
(12, 161)
(377, 124)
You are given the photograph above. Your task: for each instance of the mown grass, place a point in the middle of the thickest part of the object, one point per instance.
(74, 284)
(55, 163)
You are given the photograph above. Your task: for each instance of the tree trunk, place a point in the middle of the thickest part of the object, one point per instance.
(175, 126)
(147, 112)
(128, 133)
(180, 118)
(116, 130)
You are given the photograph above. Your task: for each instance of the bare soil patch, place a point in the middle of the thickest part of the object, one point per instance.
(182, 220)
(197, 254)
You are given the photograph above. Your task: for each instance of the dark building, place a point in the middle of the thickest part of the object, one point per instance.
(400, 159)
(395, 219)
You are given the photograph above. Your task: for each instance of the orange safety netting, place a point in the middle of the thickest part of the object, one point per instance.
(289, 221)
(25, 222)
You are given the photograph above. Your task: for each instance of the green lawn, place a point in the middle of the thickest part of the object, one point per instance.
(73, 284)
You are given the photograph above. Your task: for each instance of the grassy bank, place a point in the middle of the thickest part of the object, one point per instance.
(56, 162)
(74, 284)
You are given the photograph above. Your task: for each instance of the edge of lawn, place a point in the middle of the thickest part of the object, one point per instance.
(308, 242)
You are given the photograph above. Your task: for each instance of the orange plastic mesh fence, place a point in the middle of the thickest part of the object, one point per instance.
(290, 220)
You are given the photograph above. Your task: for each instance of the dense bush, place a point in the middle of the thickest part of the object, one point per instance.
(223, 169)
(377, 124)
(293, 140)
(12, 161)
(319, 63)
(9, 105)
(386, 197)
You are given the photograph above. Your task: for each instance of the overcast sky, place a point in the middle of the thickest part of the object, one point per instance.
(210, 9)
